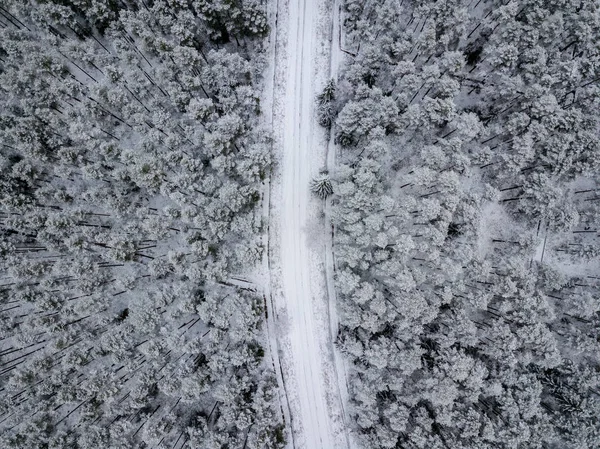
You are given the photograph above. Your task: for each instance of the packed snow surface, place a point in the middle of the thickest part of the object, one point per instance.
(296, 172)
(310, 371)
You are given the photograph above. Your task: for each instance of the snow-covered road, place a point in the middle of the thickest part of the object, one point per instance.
(302, 64)
(297, 167)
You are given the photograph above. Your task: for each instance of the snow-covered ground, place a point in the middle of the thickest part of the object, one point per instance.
(303, 319)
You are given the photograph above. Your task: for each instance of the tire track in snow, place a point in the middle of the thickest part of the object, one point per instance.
(315, 427)
(270, 308)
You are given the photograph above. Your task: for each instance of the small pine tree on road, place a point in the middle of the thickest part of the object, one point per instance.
(321, 185)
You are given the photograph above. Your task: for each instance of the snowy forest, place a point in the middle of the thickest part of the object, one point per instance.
(131, 159)
(466, 215)
(139, 300)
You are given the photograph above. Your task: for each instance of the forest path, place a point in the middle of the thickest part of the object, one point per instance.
(309, 371)
(298, 143)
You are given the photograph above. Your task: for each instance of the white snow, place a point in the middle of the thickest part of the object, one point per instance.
(493, 223)
(301, 263)
(298, 144)
(273, 350)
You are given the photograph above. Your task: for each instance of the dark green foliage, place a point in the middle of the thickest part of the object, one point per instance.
(321, 186)
(325, 105)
